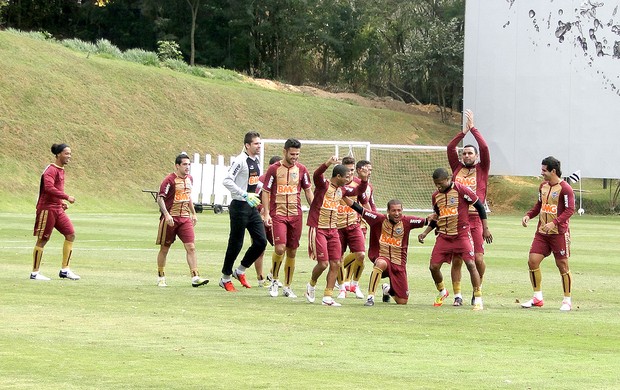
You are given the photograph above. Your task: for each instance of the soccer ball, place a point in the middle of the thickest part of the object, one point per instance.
(581, 211)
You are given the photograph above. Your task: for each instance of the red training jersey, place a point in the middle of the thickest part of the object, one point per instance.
(451, 206)
(555, 203)
(284, 185)
(177, 194)
(52, 188)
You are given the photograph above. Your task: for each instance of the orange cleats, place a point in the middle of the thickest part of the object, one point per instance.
(228, 286)
(241, 278)
(439, 299)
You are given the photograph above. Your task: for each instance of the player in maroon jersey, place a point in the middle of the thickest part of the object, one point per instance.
(451, 202)
(389, 242)
(282, 186)
(178, 218)
(472, 171)
(323, 239)
(555, 206)
(51, 214)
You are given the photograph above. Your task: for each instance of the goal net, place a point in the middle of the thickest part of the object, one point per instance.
(399, 171)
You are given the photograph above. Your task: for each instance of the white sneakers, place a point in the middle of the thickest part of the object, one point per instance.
(38, 276)
(68, 274)
(329, 301)
(161, 282)
(342, 294)
(273, 288)
(358, 291)
(288, 292)
(566, 305)
(309, 293)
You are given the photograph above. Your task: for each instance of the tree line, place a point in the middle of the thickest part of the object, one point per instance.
(411, 50)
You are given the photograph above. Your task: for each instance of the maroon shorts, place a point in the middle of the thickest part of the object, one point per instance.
(353, 237)
(545, 244)
(324, 244)
(399, 286)
(448, 246)
(286, 230)
(269, 234)
(475, 227)
(183, 228)
(49, 219)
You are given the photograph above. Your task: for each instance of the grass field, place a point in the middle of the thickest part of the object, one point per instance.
(115, 328)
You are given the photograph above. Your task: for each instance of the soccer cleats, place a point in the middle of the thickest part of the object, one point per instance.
(343, 293)
(386, 292)
(478, 304)
(329, 301)
(198, 281)
(228, 286)
(241, 278)
(440, 297)
(370, 301)
(68, 274)
(288, 292)
(273, 288)
(161, 282)
(534, 302)
(270, 279)
(358, 291)
(458, 301)
(566, 305)
(39, 277)
(310, 293)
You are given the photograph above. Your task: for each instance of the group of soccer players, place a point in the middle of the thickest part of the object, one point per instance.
(342, 213)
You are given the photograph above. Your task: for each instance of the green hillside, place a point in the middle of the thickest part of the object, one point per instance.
(125, 122)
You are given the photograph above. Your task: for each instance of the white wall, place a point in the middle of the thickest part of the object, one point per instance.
(537, 91)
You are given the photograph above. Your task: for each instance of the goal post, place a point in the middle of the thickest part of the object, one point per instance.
(399, 171)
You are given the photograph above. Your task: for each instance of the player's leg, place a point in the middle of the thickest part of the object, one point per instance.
(185, 232)
(334, 253)
(239, 217)
(538, 251)
(455, 274)
(561, 252)
(65, 227)
(474, 277)
(357, 244)
(161, 264)
(293, 234)
(379, 267)
(399, 288)
(258, 267)
(43, 227)
(317, 250)
(256, 228)
(442, 253)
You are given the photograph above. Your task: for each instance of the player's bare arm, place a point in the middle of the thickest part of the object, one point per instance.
(164, 211)
(309, 195)
(469, 121)
(266, 198)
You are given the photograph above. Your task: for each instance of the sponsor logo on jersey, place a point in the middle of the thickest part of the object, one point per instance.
(343, 209)
(331, 204)
(294, 175)
(391, 241)
(286, 189)
(398, 230)
(554, 194)
(549, 208)
(448, 211)
(452, 200)
(466, 181)
(181, 197)
(253, 180)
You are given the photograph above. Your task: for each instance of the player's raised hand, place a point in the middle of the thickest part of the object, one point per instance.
(469, 121)
(332, 160)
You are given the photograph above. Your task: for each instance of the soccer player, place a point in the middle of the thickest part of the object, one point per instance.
(323, 238)
(258, 264)
(242, 181)
(472, 171)
(451, 204)
(178, 218)
(51, 214)
(354, 270)
(351, 235)
(281, 211)
(389, 241)
(555, 206)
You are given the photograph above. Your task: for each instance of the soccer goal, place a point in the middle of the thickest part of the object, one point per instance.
(399, 171)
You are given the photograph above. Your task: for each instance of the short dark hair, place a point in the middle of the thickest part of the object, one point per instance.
(361, 164)
(292, 143)
(58, 148)
(553, 163)
(340, 170)
(440, 173)
(180, 158)
(274, 159)
(393, 202)
(471, 146)
(348, 160)
(249, 137)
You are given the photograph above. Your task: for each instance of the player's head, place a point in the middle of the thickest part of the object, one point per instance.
(551, 166)
(340, 175)
(251, 142)
(441, 178)
(364, 164)
(395, 210)
(182, 164)
(349, 162)
(62, 153)
(274, 159)
(469, 155)
(292, 148)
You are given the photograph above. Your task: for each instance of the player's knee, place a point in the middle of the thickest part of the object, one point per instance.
(279, 249)
(70, 237)
(400, 300)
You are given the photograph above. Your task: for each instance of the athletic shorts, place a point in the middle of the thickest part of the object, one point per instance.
(183, 228)
(399, 286)
(353, 237)
(286, 230)
(448, 246)
(269, 234)
(475, 227)
(47, 220)
(324, 244)
(545, 244)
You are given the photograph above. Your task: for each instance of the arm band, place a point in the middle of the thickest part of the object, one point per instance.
(356, 206)
(481, 211)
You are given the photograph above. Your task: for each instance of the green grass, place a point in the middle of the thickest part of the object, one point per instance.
(115, 328)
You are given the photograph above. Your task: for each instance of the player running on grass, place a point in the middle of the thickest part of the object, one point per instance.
(178, 218)
(451, 203)
(281, 211)
(51, 214)
(555, 206)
